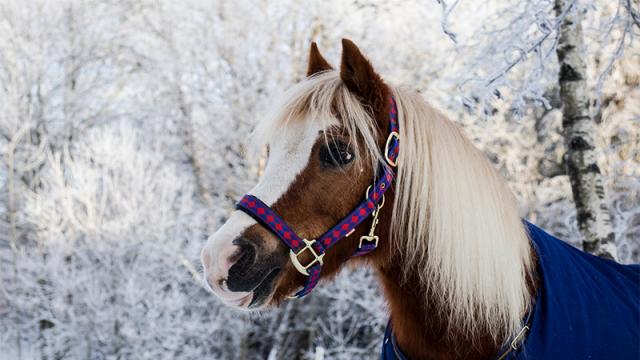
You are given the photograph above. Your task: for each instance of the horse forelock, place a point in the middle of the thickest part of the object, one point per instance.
(322, 101)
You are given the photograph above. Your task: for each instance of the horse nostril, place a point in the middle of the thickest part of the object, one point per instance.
(246, 254)
(244, 275)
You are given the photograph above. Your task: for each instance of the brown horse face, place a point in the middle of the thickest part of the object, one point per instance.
(311, 182)
(313, 179)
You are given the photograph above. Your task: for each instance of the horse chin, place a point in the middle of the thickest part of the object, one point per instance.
(251, 303)
(258, 299)
(263, 293)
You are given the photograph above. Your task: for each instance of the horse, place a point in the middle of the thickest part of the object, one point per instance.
(366, 173)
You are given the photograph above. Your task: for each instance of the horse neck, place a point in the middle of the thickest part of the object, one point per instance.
(455, 221)
(419, 330)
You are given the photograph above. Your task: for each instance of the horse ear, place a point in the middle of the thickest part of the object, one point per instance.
(358, 75)
(317, 63)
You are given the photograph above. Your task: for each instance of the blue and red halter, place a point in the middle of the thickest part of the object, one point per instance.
(317, 248)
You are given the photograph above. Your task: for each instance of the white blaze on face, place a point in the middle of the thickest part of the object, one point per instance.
(288, 157)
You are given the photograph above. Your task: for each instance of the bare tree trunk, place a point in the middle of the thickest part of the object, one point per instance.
(594, 219)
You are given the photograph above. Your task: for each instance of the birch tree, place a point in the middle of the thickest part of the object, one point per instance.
(579, 130)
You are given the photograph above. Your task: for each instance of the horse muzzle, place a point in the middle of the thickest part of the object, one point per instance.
(241, 272)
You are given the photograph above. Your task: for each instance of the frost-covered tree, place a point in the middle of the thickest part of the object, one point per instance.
(123, 141)
(518, 63)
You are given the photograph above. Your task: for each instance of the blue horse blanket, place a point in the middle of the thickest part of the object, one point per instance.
(586, 307)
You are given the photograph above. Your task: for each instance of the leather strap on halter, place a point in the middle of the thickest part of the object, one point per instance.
(268, 218)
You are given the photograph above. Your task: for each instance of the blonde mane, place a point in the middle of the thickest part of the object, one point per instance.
(455, 221)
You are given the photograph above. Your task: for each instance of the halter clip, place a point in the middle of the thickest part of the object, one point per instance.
(372, 238)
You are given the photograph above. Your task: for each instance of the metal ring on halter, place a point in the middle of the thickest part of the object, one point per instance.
(366, 196)
(366, 193)
(393, 134)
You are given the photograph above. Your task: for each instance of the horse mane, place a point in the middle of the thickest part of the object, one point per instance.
(455, 221)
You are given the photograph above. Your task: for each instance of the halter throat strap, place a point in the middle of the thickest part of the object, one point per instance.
(316, 248)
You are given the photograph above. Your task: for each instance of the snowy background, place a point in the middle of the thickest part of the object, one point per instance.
(122, 129)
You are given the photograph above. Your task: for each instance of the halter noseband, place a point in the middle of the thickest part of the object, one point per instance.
(374, 200)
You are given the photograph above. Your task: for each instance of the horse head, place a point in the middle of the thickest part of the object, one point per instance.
(326, 148)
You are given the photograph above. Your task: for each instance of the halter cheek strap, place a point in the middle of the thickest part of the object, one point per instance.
(374, 200)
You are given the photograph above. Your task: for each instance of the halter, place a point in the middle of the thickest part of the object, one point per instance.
(374, 201)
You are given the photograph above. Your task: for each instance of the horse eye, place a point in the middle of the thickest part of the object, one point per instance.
(336, 154)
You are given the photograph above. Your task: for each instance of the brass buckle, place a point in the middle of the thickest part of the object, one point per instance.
(393, 134)
(296, 262)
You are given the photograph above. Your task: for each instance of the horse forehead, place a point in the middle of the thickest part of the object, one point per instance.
(289, 156)
(298, 136)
